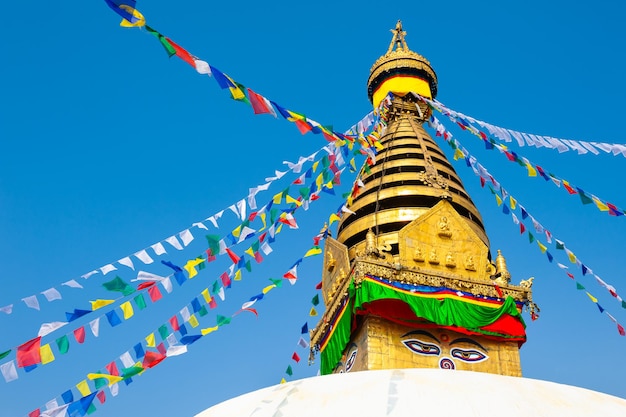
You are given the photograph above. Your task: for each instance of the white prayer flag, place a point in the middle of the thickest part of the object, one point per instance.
(171, 340)
(202, 67)
(31, 302)
(221, 294)
(56, 412)
(52, 294)
(143, 256)
(72, 284)
(184, 313)
(167, 284)
(127, 360)
(176, 350)
(127, 262)
(88, 274)
(48, 328)
(200, 225)
(107, 268)
(9, 372)
(186, 237)
(94, 325)
(115, 389)
(158, 249)
(7, 309)
(174, 242)
(266, 248)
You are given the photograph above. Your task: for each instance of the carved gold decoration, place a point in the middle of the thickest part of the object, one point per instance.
(444, 227)
(330, 262)
(469, 263)
(418, 255)
(432, 257)
(450, 262)
(337, 262)
(527, 283)
(502, 276)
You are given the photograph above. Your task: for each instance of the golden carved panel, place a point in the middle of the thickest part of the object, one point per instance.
(336, 268)
(442, 241)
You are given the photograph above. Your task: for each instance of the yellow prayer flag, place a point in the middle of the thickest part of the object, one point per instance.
(150, 341)
(542, 247)
(238, 274)
(206, 295)
(315, 164)
(190, 266)
(209, 330)
(313, 312)
(498, 200)
(283, 381)
(250, 251)
(46, 354)
(353, 164)
(378, 146)
(319, 180)
(268, 288)
(83, 388)
(290, 200)
(531, 171)
(193, 321)
(127, 309)
(333, 218)
(278, 198)
(329, 184)
(236, 231)
(571, 256)
(592, 298)
(513, 202)
(100, 303)
(141, 21)
(279, 228)
(262, 216)
(316, 250)
(458, 154)
(112, 379)
(601, 206)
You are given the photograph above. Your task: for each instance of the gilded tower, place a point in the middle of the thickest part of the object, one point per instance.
(409, 281)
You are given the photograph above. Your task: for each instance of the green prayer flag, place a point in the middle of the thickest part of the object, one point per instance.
(166, 45)
(215, 288)
(140, 302)
(91, 409)
(346, 194)
(201, 265)
(273, 215)
(367, 169)
(316, 300)
(327, 175)
(325, 161)
(132, 371)
(305, 192)
(221, 320)
(63, 344)
(255, 246)
(100, 382)
(214, 243)
(163, 331)
(584, 198)
(579, 286)
(5, 354)
(279, 282)
(203, 311)
(531, 238)
(119, 285)
(560, 245)
(289, 371)
(248, 266)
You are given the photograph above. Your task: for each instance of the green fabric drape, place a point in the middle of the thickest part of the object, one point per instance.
(331, 354)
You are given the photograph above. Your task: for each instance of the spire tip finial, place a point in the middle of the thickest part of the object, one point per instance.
(398, 38)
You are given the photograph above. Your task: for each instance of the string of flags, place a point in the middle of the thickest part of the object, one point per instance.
(146, 354)
(500, 197)
(149, 280)
(533, 169)
(527, 139)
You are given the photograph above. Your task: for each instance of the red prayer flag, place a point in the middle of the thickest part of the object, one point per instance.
(258, 103)
(101, 396)
(34, 413)
(295, 357)
(182, 54)
(28, 353)
(569, 189)
(154, 293)
(233, 256)
(225, 279)
(79, 334)
(209, 255)
(303, 126)
(152, 359)
(522, 228)
(257, 257)
(112, 369)
(145, 285)
(213, 303)
(620, 329)
(570, 275)
(319, 286)
(174, 323)
(161, 348)
(482, 182)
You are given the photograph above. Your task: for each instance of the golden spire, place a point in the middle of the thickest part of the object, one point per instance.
(398, 38)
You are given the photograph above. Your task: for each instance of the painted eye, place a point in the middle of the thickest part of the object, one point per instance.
(422, 348)
(350, 361)
(468, 355)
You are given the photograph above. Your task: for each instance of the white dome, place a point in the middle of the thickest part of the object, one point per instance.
(410, 392)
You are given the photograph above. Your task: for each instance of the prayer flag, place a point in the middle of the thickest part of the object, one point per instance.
(119, 285)
(138, 18)
(9, 372)
(313, 312)
(305, 328)
(127, 310)
(79, 334)
(28, 353)
(316, 300)
(150, 340)
(289, 371)
(222, 320)
(208, 330)
(113, 318)
(295, 357)
(181, 53)
(154, 293)
(63, 344)
(315, 250)
(259, 104)
(151, 359)
(95, 305)
(169, 49)
(46, 354)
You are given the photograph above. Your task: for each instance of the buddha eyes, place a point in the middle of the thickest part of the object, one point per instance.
(468, 355)
(422, 348)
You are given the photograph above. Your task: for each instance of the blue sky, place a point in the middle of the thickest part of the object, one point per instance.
(109, 147)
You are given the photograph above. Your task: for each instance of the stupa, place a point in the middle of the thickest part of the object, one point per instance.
(419, 316)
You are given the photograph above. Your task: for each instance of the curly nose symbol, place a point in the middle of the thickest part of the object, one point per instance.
(446, 363)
